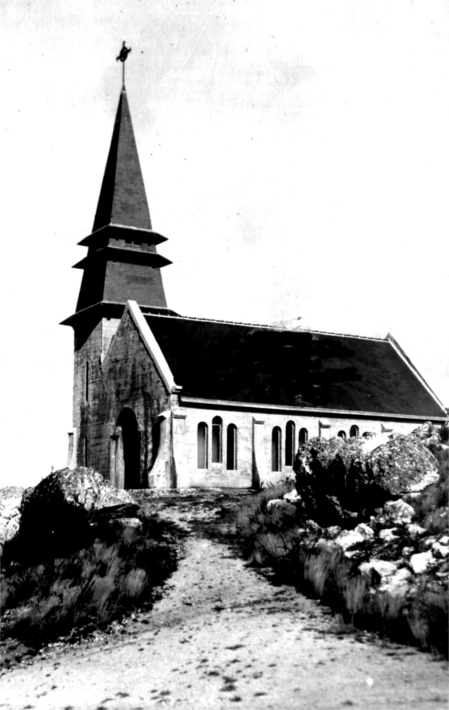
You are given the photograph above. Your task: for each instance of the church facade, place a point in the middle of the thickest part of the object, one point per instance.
(167, 401)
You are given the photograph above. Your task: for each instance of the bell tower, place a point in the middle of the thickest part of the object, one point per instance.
(122, 263)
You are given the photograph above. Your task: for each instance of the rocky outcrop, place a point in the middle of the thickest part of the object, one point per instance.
(56, 515)
(398, 512)
(379, 513)
(344, 482)
(402, 465)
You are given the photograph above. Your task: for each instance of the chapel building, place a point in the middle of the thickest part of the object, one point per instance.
(167, 401)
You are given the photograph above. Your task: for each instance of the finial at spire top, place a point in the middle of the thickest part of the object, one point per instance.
(122, 57)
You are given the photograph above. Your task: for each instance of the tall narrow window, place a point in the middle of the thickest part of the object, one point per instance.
(276, 449)
(290, 437)
(231, 448)
(342, 434)
(217, 448)
(303, 437)
(202, 445)
(86, 382)
(354, 431)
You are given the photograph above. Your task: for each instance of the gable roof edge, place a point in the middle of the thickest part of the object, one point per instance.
(153, 347)
(395, 345)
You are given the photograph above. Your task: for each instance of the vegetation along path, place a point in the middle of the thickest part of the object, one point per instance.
(223, 634)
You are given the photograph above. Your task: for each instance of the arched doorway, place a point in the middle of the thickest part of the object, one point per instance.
(127, 451)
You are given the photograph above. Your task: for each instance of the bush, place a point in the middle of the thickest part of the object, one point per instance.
(286, 543)
(89, 588)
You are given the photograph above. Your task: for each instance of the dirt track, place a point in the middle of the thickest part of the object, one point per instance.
(224, 635)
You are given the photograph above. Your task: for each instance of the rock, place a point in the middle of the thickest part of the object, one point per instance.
(374, 442)
(443, 570)
(342, 482)
(324, 481)
(292, 497)
(388, 535)
(348, 538)
(377, 570)
(274, 503)
(429, 541)
(128, 522)
(280, 504)
(421, 561)
(444, 540)
(407, 551)
(403, 465)
(439, 550)
(82, 488)
(365, 531)
(435, 438)
(57, 512)
(313, 527)
(332, 531)
(426, 431)
(398, 584)
(398, 512)
(10, 511)
(415, 530)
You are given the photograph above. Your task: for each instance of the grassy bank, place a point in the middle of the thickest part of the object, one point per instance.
(279, 539)
(114, 572)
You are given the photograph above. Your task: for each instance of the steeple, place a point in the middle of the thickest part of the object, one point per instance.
(122, 198)
(122, 262)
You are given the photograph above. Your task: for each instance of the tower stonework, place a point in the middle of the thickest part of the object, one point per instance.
(122, 263)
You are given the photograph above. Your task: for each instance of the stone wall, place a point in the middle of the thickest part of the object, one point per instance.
(132, 381)
(123, 378)
(254, 443)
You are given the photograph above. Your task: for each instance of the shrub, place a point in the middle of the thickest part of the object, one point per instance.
(287, 545)
(88, 589)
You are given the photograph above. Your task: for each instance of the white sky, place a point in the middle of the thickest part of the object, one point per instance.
(295, 153)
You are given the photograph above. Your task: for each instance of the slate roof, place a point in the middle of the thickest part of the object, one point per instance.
(249, 364)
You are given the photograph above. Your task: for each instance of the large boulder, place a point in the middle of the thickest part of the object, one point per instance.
(343, 482)
(58, 512)
(403, 465)
(328, 475)
(10, 511)
(397, 512)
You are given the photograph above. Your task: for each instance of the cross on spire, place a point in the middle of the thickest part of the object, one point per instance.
(122, 57)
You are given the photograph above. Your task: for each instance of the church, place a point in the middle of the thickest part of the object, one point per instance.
(169, 401)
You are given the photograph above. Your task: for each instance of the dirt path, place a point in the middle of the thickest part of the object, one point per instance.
(223, 635)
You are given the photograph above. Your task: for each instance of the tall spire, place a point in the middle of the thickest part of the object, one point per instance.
(122, 198)
(122, 261)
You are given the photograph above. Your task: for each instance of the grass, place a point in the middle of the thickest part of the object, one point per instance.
(113, 573)
(286, 543)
